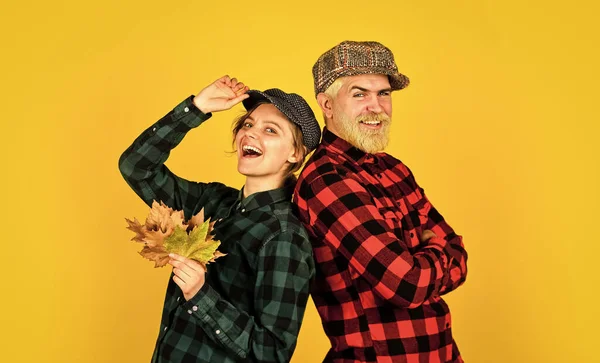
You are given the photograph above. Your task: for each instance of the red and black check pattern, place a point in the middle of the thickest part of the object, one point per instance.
(378, 285)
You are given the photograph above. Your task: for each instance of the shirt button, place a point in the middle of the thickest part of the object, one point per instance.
(243, 210)
(165, 329)
(154, 129)
(187, 109)
(190, 312)
(178, 298)
(218, 332)
(195, 308)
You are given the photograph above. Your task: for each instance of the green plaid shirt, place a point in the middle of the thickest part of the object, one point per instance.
(251, 306)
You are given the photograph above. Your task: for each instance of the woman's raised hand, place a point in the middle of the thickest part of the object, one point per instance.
(222, 94)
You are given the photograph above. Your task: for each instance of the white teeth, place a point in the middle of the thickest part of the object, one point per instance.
(251, 148)
(371, 122)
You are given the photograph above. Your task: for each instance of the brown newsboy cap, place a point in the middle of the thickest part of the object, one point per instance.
(350, 58)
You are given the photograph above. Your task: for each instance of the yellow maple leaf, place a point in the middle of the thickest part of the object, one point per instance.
(165, 231)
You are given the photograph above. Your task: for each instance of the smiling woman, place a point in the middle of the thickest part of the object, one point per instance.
(250, 303)
(280, 134)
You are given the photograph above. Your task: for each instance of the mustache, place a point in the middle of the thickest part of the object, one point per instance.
(381, 117)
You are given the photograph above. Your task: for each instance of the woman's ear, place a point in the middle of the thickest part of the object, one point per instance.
(326, 104)
(297, 155)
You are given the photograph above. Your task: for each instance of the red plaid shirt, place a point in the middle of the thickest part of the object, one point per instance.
(378, 286)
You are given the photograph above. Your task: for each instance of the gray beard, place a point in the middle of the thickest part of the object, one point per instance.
(369, 141)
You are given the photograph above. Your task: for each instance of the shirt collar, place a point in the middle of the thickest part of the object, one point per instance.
(342, 147)
(261, 199)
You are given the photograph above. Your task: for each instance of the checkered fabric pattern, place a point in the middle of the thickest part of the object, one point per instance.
(351, 58)
(378, 287)
(294, 107)
(252, 304)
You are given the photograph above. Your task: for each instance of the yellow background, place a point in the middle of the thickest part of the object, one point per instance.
(500, 126)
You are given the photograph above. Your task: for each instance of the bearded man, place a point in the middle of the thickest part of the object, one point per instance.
(384, 254)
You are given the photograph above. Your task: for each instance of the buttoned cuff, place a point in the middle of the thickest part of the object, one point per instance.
(187, 113)
(204, 300)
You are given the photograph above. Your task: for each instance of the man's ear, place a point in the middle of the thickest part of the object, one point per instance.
(326, 104)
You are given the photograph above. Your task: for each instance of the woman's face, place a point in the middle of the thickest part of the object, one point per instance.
(265, 144)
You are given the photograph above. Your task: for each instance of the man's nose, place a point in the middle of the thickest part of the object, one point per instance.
(374, 105)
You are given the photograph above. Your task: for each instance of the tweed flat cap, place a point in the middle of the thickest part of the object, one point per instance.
(350, 58)
(294, 107)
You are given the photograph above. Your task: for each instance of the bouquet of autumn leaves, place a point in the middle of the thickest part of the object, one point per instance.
(165, 231)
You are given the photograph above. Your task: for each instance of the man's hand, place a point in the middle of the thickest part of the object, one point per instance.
(427, 234)
(189, 275)
(222, 94)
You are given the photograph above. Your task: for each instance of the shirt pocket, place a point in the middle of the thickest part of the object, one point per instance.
(419, 210)
(393, 220)
(403, 230)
